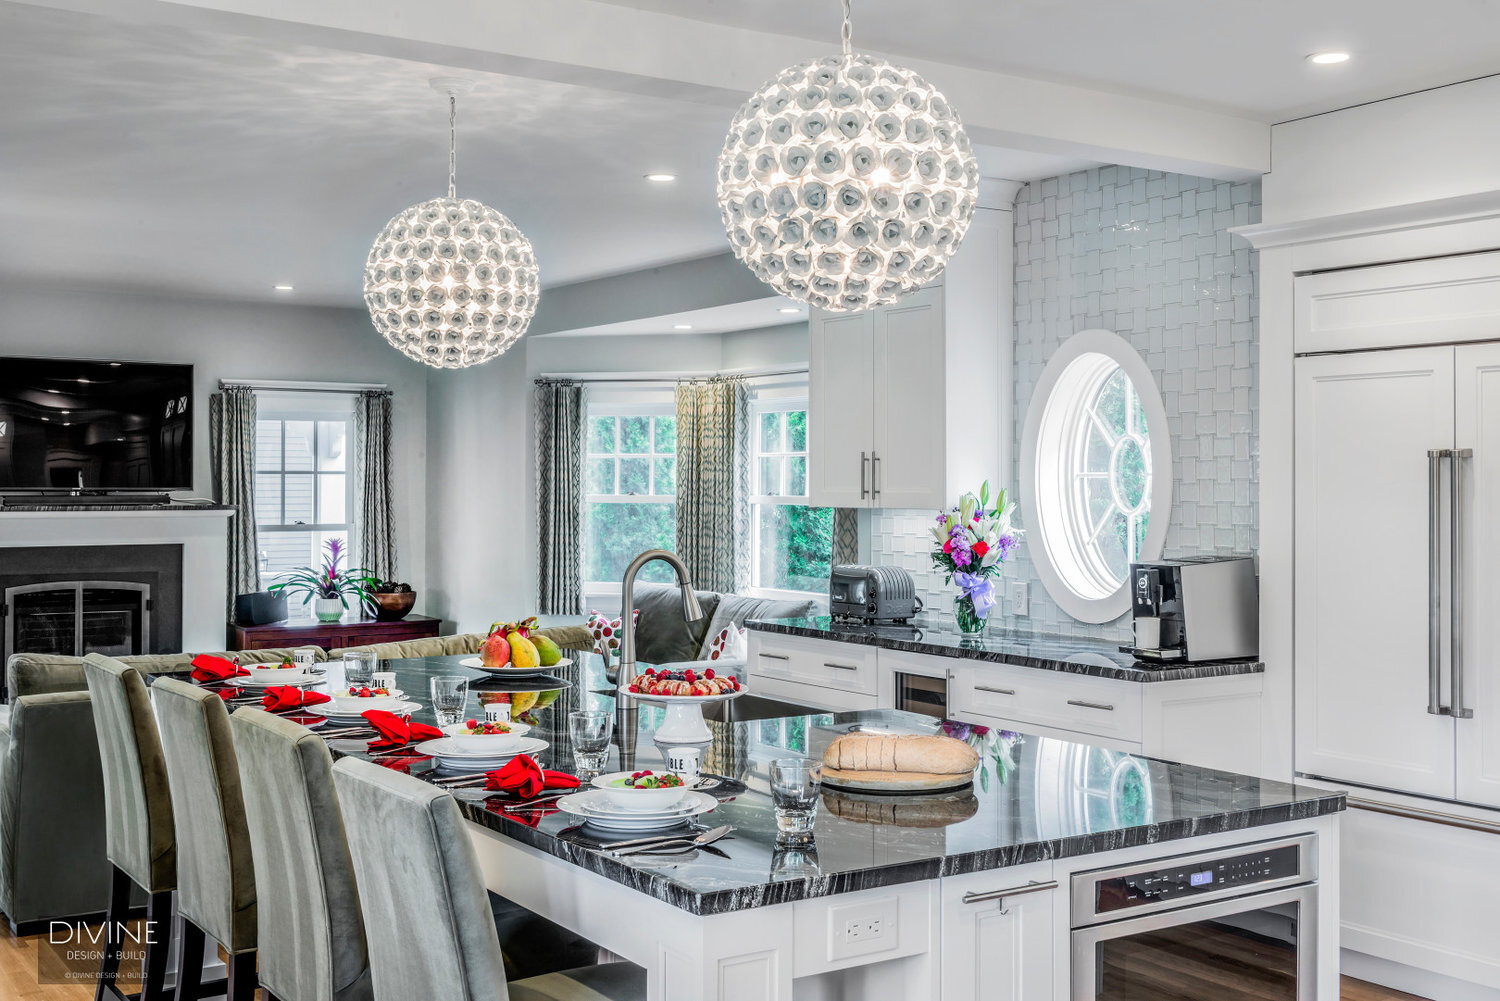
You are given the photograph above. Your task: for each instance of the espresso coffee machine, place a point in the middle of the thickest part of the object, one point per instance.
(1194, 609)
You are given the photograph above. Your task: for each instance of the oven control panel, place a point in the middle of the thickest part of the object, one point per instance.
(1196, 877)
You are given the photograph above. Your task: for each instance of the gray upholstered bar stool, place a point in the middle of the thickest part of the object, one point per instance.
(426, 910)
(215, 874)
(312, 936)
(139, 836)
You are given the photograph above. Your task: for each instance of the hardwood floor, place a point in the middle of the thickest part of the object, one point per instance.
(18, 977)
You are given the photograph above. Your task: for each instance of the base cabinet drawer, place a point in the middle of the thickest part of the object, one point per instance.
(1074, 703)
(999, 932)
(826, 699)
(844, 666)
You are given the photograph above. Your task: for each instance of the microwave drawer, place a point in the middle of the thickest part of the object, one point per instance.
(827, 664)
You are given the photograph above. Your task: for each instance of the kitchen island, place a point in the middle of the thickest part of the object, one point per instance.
(1075, 688)
(956, 896)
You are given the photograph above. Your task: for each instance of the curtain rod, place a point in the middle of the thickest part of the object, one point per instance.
(282, 386)
(665, 378)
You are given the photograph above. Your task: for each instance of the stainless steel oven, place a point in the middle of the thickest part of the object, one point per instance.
(1234, 924)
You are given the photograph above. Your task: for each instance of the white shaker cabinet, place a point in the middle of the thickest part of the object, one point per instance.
(908, 404)
(999, 934)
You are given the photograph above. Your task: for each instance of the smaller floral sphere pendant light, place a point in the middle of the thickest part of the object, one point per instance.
(847, 182)
(450, 282)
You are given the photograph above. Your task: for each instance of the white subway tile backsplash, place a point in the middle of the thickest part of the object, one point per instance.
(1149, 256)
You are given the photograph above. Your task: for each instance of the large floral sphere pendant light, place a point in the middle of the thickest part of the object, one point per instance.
(450, 282)
(847, 182)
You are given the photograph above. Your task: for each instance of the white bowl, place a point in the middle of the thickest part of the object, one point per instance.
(356, 704)
(638, 800)
(272, 673)
(486, 741)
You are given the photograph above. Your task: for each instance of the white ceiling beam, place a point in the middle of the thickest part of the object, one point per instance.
(616, 48)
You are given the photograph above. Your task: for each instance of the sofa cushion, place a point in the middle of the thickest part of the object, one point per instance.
(567, 637)
(663, 634)
(42, 674)
(734, 609)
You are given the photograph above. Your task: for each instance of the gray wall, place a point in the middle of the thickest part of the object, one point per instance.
(237, 341)
(1149, 256)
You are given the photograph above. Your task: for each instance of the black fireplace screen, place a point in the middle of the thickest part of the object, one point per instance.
(74, 618)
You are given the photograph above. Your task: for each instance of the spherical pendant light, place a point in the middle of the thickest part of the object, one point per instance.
(847, 182)
(451, 282)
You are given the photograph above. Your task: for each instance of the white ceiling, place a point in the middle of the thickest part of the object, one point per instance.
(160, 157)
(730, 317)
(1245, 57)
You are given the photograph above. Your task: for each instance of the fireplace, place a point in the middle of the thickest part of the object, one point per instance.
(74, 600)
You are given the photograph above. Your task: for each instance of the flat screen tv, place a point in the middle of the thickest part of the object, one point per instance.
(95, 425)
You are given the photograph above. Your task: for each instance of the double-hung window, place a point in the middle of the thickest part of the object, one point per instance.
(791, 543)
(302, 478)
(630, 485)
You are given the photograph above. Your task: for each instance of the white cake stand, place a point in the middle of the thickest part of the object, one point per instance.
(684, 723)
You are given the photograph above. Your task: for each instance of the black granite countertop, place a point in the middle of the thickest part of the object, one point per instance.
(1073, 655)
(1034, 798)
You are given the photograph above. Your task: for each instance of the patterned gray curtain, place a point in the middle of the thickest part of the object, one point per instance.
(231, 428)
(713, 483)
(375, 535)
(559, 497)
(845, 535)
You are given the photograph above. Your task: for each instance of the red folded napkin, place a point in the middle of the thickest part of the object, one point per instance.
(207, 667)
(397, 731)
(282, 697)
(524, 777)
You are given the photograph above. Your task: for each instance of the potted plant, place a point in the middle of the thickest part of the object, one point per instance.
(971, 541)
(331, 587)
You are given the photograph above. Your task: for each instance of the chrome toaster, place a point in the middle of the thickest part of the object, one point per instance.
(872, 594)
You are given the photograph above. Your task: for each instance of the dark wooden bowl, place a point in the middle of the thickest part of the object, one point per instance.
(393, 607)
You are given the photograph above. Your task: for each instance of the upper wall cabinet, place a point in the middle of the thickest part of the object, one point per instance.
(1441, 301)
(909, 404)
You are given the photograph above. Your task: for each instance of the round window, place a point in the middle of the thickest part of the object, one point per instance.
(1096, 467)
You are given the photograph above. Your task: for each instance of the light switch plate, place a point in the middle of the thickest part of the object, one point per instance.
(1020, 604)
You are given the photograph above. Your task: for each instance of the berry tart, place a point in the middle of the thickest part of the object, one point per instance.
(688, 683)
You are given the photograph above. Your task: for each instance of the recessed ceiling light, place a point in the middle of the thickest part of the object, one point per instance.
(682, 326)
(789, 309)
(1328, 58)
(115, 364)
(661, 178)
(283, 288)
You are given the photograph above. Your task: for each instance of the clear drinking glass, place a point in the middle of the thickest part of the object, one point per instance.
(590, 731)
(795, 783)
(359, 667)
(450, 694)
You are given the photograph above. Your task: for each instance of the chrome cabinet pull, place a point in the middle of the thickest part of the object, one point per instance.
(864, 474)
(1091, 705)
(1435, 458)
(994, 691)
(874, 475)
(840, 667)
(775, 656)
(1456, 584)
(1015, 891)
(1427, 816)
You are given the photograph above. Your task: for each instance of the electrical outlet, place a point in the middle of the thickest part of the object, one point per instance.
(862, 929)
(1019, 603)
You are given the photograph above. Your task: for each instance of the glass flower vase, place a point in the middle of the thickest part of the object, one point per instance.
(970, 622)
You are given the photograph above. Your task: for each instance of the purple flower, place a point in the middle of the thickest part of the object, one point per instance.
(962, 557)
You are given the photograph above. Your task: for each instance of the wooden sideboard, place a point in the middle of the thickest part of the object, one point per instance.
(330, 635)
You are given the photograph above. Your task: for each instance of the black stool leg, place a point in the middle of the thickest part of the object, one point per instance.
(241, 977)
(190, 962)
(114, 945)
(159, 920)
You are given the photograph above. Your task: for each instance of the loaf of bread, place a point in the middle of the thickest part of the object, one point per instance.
(900, 756)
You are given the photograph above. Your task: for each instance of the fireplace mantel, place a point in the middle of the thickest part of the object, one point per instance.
(199, 530)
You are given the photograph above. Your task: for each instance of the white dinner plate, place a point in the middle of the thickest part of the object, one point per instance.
(273, 675)
(401, 708)
(297, 679)
(586, 805)
(443, 749)
(514, 672)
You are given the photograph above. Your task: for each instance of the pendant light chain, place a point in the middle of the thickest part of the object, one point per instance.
(452, 144)
(848, 32)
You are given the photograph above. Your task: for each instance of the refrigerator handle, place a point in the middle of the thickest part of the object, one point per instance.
(1434, 581)
(1456, 600)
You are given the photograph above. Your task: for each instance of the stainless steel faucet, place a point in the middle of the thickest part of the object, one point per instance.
(690, 611)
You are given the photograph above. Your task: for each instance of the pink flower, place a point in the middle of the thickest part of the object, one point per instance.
(948, 547)
(980, 548)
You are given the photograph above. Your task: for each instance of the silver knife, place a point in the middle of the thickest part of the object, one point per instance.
(717, 832)
(678, 844)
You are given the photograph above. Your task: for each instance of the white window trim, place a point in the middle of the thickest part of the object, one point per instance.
(284, 406)
(1046, 479)
(648, 404)
(779, 400)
